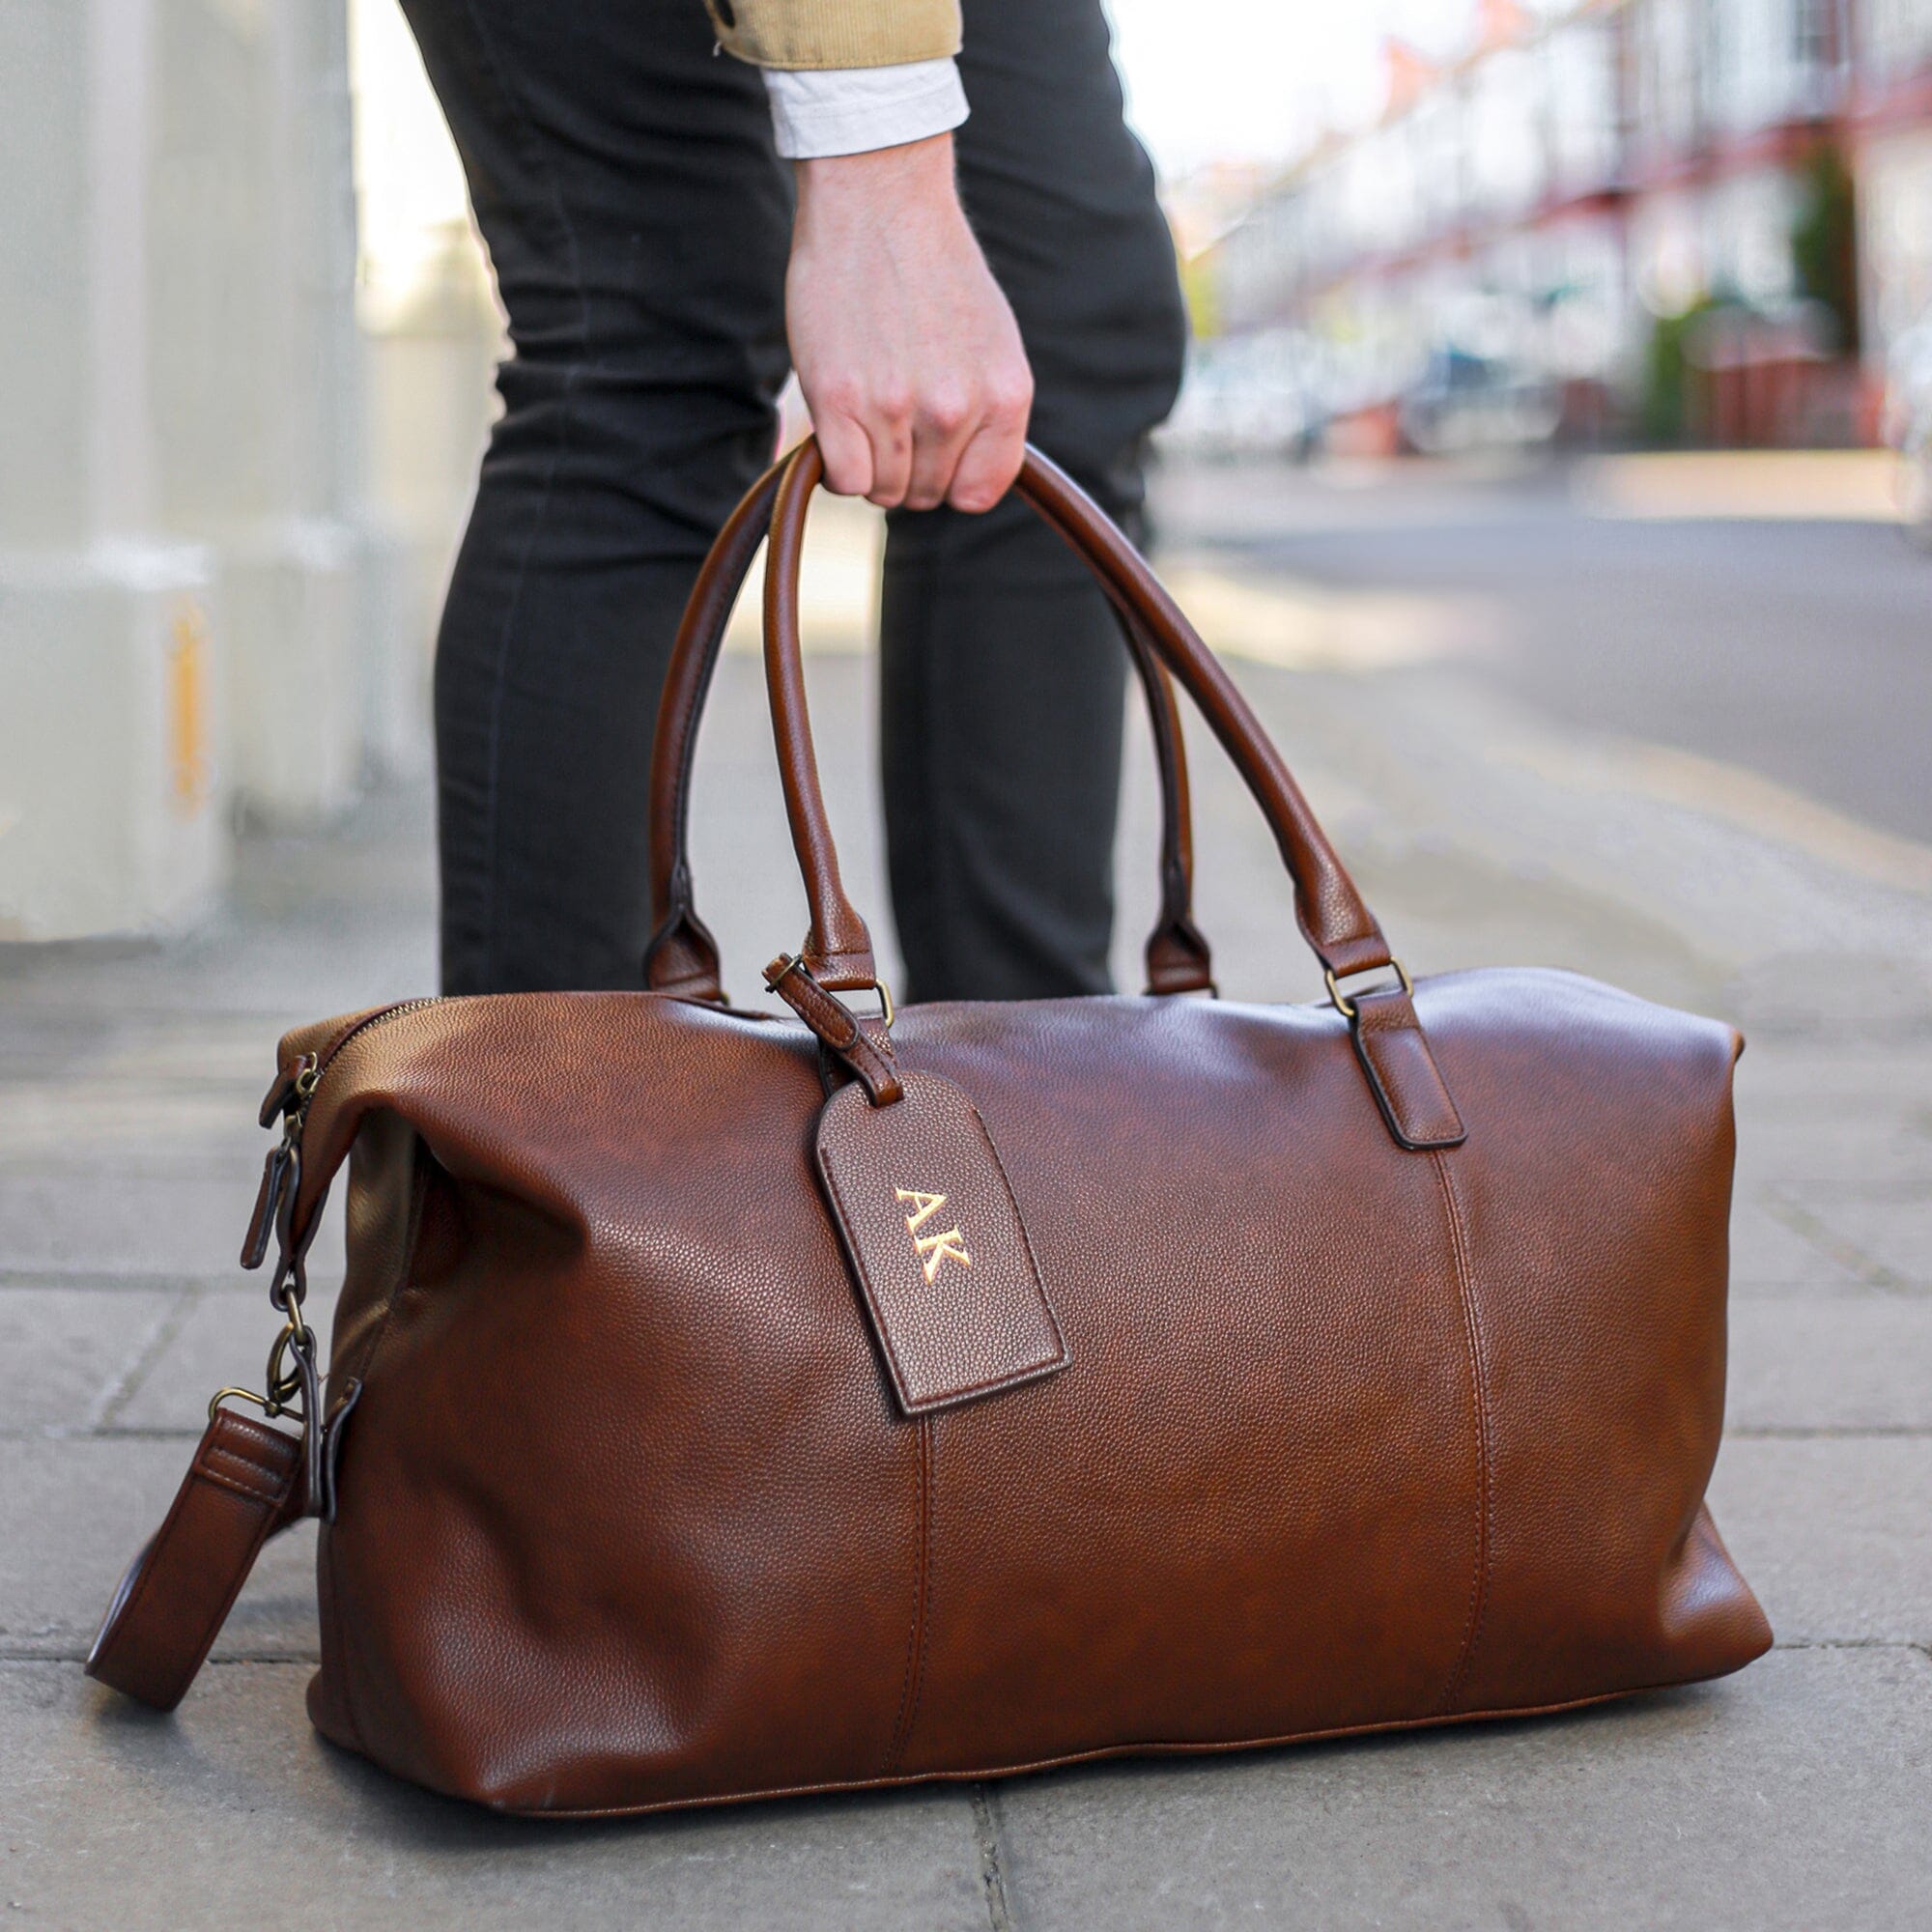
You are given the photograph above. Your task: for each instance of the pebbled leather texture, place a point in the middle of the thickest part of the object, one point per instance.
(1403, 1073)
(936, 1245)
(1349, 1436)
(1393, 1357)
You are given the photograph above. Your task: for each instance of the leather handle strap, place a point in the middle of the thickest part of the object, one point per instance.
(246, 1482)
(1395, 1055)
(1332, 915)
(838, 950)
(1178, 959)
(682, 956)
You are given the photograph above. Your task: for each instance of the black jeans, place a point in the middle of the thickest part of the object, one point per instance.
(623, 175)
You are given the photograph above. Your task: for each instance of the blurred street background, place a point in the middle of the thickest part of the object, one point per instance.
(1554, 471)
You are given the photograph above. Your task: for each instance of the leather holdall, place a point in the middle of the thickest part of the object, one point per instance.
(725, 1403)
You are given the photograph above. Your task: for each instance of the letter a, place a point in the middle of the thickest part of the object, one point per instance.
(926, 1207)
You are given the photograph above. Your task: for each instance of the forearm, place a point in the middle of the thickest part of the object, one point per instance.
(907, 349)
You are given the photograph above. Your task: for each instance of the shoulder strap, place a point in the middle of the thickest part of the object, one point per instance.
(247, 1483)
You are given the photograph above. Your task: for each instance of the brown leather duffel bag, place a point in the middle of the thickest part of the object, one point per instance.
(724, 1405)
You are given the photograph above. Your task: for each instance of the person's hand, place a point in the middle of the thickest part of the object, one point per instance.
(907, 351)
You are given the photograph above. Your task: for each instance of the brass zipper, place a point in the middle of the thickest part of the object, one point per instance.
(290, 1098)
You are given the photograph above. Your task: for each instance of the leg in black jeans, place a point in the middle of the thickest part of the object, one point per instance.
(637, 221)
(1003, 672)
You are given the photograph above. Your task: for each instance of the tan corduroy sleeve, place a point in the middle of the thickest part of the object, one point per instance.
(821, 33)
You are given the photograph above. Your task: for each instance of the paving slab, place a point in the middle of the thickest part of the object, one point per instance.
(222, 1339)
(1810, 1361)
(1892, 1231)
(97, 1217)
(66, 1354)
(72, 1513)
(1829, 1149)
(1767, 1252)
(157, 1118)
(1807, 1080)
(259, 975)
(88, 1038)
(1789, 1797)
(232, 1814)
(1834, 1533)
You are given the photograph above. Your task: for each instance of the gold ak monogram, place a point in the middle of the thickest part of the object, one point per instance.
(932, 1249)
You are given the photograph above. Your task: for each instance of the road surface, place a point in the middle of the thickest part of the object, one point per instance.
(1801, 650)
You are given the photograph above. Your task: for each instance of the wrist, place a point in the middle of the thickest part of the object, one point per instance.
(914, 174)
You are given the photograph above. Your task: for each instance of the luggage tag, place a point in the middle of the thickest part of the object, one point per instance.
(934, 1235)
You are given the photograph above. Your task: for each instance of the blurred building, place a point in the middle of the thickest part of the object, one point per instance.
(1702, 219)
(218, 560)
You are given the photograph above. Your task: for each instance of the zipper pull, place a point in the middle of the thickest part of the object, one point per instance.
(281, 1171)
(291, 1091)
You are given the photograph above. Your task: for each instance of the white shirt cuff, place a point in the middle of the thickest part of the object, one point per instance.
(853, 111)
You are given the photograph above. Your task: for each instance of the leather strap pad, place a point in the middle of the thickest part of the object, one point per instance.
(244, 1484)
(934, 1235)
(1402, 1074)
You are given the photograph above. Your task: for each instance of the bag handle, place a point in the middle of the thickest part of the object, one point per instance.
(1335, 923)
(1340, 929)
(682, 956)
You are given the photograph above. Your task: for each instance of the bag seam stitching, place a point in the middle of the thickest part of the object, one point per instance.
(267, 1499)
(912, 1679)
(221, 1452)
(925, 1621)
(1473, 1337)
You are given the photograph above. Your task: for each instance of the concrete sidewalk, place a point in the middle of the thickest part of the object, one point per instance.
(1792, 1796)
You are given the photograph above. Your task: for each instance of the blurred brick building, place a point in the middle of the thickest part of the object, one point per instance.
(1704, 219)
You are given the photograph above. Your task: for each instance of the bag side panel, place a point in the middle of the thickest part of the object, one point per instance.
(388, 1185)
(626, 1516)
(1595, 1199)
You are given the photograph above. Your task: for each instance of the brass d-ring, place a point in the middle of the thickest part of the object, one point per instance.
(1346, 1007)
(787, 963)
